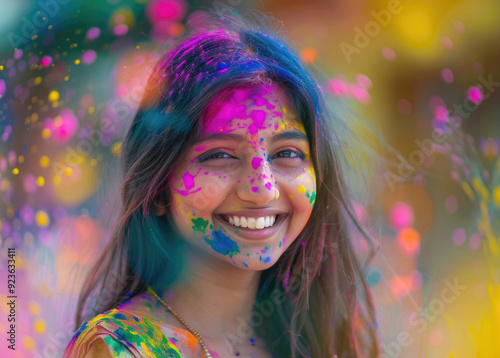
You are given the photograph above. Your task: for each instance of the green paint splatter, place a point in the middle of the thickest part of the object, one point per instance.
(199, 224)
(125, 331)
(279, 244)
(311, 197)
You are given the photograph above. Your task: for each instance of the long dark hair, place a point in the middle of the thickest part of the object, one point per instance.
(318, 303)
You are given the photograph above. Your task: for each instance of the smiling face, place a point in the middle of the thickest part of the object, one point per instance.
(246, 189)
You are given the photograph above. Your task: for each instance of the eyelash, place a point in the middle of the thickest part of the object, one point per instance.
(206, 157)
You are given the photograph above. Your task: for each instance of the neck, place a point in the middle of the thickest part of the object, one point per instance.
(212, 296)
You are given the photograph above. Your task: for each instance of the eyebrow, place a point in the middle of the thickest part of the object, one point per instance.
(297, 135)
(288, 135)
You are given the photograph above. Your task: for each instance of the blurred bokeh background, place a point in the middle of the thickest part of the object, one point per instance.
(71, 77)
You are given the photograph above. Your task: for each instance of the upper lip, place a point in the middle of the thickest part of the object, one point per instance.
(256, 213)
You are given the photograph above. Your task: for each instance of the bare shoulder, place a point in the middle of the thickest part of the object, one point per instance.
(98, 349)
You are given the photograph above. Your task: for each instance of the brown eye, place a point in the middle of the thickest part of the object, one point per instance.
(214, 155)
(289, 154)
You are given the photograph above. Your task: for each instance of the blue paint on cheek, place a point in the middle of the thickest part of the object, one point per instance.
(223, 244)
(266, 259)
(245, 264)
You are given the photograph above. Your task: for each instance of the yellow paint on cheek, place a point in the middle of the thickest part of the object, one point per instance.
(301, 189)
(313, 175)
(177, 199)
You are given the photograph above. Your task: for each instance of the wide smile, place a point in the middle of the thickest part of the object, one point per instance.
(255, 227)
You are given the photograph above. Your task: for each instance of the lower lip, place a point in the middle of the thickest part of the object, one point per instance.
(253, 234)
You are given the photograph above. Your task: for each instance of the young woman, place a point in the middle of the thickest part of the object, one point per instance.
(233, 239)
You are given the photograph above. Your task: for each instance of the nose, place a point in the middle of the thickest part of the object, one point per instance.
(256, 183)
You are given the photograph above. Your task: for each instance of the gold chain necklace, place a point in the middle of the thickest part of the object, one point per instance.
(196, 334)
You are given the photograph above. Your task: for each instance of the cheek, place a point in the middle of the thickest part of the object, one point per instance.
(303, 191)
(200, 193)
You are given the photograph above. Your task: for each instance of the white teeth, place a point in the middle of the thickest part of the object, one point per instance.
(252, 223)
(260, 223)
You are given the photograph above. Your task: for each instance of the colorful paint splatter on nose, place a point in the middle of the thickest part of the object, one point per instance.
(223, 244)
(256, 162)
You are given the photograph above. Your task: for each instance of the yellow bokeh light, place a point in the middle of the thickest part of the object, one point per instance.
(44, 161)
(29, 343)
(4, 184)
(40, 181)
(39, 326)
(77, 62)
(116, 149)
(76, 183)
(38, 80)
(46, 133)
(34, 308)
(416, 27)
(496, 196)
(15, 171)
(42, 219)
(53, 96)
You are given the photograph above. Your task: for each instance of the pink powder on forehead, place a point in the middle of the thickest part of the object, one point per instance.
(229, 111)
(233, 104)
(258, 117)
(217, 118)
(262, 101)
(241, 94)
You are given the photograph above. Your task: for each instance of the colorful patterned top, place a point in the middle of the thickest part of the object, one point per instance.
(129, 332)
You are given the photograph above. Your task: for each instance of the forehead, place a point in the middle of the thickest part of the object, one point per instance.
(251, 109)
